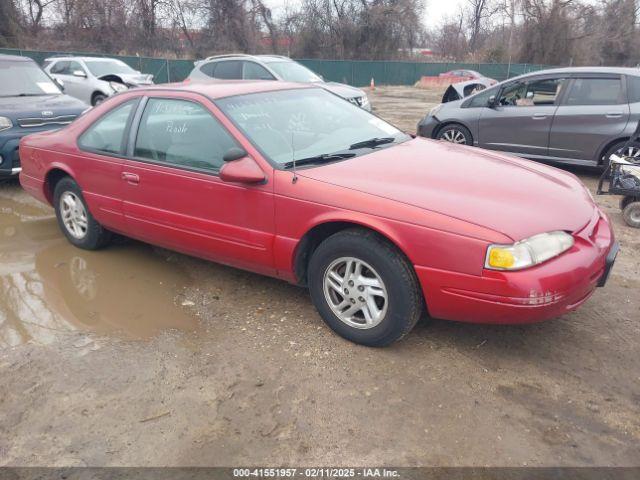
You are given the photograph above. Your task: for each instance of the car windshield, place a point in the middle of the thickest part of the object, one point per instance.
(107, 67)
(306, 124)
(294, 72)
(19, 78)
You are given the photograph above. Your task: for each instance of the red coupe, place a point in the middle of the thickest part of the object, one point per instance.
(294, 182)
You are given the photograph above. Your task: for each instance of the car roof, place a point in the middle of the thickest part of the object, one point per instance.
(15, 58)
(225, 88)
(71, 57)
(589, 70)
(245, 56)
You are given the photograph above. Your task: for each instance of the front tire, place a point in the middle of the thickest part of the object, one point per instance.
(455, 133)
(97, 99)
(75, 219)
(364, 289)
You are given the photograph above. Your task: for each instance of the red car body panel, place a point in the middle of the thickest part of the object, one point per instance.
(440, 204)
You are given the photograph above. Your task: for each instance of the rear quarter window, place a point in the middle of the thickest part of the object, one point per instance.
(633, 88)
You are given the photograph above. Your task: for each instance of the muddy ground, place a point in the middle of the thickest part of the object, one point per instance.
(138, 356)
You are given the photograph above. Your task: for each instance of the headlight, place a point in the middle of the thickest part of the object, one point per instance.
(5, 123)
(118, 87)
(434, 111)
(529, 252)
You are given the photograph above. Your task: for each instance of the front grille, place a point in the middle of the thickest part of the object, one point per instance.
(356, 101)
(41, 122)
(15, 161)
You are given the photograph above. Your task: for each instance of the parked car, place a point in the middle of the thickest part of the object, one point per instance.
(464, 75)
(271, 67)
(94, 79)
(30, 102)
(290, 181)
(577, 116)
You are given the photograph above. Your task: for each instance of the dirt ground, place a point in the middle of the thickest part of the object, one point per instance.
(139, 356)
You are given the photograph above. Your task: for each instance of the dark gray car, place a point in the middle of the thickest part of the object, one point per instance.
(576, 115)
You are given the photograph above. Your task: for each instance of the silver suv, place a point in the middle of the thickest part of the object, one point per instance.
(271, 67)
(93, 79)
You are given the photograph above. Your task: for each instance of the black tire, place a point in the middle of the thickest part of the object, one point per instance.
(95, 236)
(615, 148)
(624, 201)
(404, 297)
(97, 99)
(451, 133)
(631, 214)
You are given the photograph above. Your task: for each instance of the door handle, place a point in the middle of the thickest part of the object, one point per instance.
(539, 116)
(614, 115)
(131, 178)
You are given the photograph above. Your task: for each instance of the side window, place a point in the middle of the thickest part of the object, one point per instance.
(74, 67)
(181, 133)
(229, 70)
(596, 91)
(107, 133)
(253, 71)
(532, 93)
(208, 68)
(481, 99)
(633, 88)
(60, 68)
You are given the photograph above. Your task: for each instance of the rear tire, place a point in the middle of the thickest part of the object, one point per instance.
(631, 214)
(455, 133)
(75, 219)
(634, 149)
(375, 299)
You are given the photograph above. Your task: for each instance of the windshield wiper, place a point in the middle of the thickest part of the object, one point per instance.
(324, 158)
(372, 142)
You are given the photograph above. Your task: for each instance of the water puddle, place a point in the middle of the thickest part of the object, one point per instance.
(49, 288)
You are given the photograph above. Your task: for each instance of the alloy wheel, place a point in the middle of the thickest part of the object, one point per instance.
(355, 292)
(74, 215)
(454, 136)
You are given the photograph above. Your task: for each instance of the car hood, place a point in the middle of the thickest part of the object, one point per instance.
(344, 91)
(129, 78)
(515, 197)
(35, 107)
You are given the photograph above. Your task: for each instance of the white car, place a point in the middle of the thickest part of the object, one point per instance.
(93, 79)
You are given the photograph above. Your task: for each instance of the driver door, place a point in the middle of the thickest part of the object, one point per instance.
(520, 122)
(174, 197)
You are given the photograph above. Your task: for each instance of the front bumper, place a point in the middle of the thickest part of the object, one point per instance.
(10, 165)
(428, 126)
(546, 291)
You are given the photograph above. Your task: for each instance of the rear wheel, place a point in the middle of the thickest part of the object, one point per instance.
(364, 289)
(631, 214)
(455, 133)
(74, 218)
(631, 153)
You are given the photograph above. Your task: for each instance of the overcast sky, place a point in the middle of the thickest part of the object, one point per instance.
(435, 10)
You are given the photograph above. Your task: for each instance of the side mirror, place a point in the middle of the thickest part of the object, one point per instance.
(529, 95)
(234, 153)
(491, 103)
(241, 170)
(79, 73)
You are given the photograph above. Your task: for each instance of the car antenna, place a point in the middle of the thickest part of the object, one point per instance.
(293, 159)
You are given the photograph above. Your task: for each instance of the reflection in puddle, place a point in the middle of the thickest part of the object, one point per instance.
(49, 288)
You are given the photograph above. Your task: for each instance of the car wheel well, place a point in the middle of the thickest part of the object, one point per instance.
(51, 180)
(607, 147)
(95, 94)
(437, 131)
(314, 237)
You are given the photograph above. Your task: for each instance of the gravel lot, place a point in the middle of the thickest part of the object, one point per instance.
(139, 356)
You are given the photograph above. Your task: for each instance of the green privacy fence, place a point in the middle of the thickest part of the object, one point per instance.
(354, 72)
